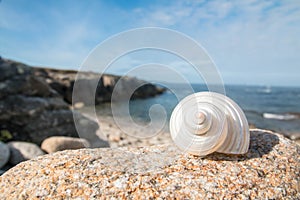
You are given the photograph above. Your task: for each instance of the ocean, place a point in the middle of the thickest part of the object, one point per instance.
(266, 107)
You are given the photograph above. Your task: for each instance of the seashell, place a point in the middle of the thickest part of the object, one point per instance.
(207, 122)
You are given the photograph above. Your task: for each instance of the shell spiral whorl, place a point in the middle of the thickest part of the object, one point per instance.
(207, 122)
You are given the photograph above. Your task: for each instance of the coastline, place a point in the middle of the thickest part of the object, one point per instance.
(35, 105)
(116, 137)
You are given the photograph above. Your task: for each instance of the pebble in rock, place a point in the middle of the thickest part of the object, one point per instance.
(21, 151)
(270, 170)
(4, 154)
(60, 143)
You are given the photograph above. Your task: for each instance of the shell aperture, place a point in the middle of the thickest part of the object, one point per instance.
(207, 122)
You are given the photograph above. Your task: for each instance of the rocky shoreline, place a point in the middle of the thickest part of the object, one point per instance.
(42, 154)
(35, 103)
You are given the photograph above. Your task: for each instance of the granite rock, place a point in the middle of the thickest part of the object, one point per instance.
(270, 170)
(4, 154)
(59, 143)
(21, 151)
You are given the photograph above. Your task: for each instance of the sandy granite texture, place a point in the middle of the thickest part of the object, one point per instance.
(270, 170)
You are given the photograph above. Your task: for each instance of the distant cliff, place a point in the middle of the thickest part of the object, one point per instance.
(62, 81)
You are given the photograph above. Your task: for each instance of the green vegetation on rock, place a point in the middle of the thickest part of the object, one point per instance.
(5, 135)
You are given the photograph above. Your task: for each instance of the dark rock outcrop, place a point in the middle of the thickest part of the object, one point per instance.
(62, 81)
(35, 102)
(31, 110)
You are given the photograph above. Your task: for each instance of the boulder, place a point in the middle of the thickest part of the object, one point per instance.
(18, 78)
(16, 107)
(59, 143)
(270, 170)
(34, 119)
(21, 151)
(31, 110)
(51, 123)
(4, 154)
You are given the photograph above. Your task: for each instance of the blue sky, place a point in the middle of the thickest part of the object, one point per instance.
(252, 41)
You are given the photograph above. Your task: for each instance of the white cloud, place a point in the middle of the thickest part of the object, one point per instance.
(243, 37)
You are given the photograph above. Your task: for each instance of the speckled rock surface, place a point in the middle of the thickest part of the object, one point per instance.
(270, 170)
(21, 151)
(59, 143)
(4, 154)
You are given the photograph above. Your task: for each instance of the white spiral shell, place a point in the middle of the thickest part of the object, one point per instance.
(207, 122)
